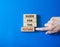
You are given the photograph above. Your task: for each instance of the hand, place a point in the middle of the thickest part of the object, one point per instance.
(52, 26)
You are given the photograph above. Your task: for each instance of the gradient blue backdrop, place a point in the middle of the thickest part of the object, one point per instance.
(11, 14)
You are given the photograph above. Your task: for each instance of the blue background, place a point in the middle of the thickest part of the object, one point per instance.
(11, 21)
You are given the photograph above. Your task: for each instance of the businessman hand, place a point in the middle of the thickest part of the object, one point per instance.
(52, 26)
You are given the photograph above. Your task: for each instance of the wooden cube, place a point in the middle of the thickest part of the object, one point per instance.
(27, 29)
(30, 20)
(29, 15)
(30, 24)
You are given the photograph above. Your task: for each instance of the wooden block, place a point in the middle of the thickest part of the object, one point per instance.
(29, 15)
(30, 24)
(27, 24)
(27, 29)
(30, 20)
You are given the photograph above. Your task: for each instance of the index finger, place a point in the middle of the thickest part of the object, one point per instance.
(42, 29)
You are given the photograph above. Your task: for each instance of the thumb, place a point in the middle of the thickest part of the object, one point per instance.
(50, 32)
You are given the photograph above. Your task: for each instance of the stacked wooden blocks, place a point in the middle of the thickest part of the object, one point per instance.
(29, 22)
